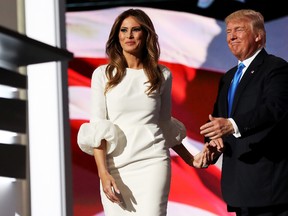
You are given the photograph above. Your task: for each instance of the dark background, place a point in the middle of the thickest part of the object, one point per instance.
(219, 9)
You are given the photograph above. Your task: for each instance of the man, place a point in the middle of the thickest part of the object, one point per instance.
(255, 164)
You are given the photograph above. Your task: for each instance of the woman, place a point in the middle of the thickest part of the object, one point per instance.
(131, 128)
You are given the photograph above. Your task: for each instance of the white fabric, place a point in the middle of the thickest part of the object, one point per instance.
(91, 134)
(138, 154)
(174, 132)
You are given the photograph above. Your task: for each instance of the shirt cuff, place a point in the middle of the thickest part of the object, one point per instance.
(237, 133)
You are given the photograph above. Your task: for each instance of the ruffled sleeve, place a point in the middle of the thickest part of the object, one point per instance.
(90, 136)
(174, 132)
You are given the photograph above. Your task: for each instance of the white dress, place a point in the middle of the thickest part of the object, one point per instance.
(137, 153)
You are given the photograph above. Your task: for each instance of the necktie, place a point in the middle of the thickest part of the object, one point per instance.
(233, 86)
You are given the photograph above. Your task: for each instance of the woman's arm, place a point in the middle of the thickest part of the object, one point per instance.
(197, 162)
(108, 182)
(205, 157)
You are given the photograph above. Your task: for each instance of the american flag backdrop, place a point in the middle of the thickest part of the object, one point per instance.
(194, 48)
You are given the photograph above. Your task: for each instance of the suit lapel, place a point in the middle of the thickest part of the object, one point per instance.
(247, 78)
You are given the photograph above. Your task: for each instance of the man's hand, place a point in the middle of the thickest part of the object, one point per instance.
(210, 151)
(202, 159)
(216, 128)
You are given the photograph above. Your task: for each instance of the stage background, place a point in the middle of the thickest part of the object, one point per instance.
(193, 46)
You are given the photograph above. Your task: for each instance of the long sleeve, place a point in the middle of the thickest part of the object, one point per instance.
(91, 133)
(174, 131)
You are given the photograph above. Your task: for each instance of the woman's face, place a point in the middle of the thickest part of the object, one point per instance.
(131, 36)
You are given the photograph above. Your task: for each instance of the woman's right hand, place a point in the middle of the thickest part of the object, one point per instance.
(108, 182)
(110, 188)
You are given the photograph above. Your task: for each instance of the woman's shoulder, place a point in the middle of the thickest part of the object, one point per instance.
(100, 70)
(166, 71)
(99, 73)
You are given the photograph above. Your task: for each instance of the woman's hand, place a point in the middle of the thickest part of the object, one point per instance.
(209, 153)
(108, 182)
(109, 187)
(202, 159)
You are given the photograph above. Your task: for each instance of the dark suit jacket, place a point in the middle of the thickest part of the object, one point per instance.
(255, 166)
